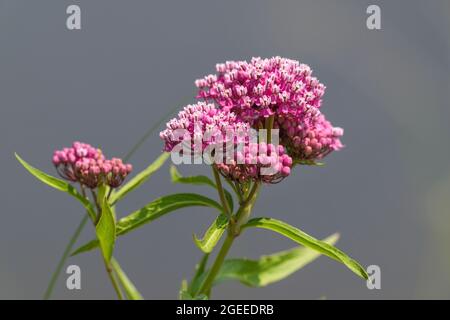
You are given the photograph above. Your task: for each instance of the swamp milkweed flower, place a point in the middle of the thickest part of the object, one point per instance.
(280, 88)
(202, 125)
(88, 166)
(311, 139)
(262, 87)
(257, 162)
(205, 128)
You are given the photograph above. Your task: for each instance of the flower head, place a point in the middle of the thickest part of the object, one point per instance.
(235, 152)
(201, 125)
(262, 87)
(257, 162)
(66, 158)
(87, 165)
(310, 139)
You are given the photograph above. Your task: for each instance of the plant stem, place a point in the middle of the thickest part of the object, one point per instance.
(235, 189)
(113, 279)
(62, 260)
(206, 286)
(243, 214)
(238, 191)
(224, 202)
(97, 205)
(233, 231)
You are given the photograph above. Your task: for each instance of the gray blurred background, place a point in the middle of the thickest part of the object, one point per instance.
(387, 192)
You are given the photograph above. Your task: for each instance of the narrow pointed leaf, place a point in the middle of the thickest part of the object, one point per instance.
(271, 268)
(184, 295)
(307, 241)
(58, 184)
(91, 245)
(106, 231)
(199, 180)
(47, 179)
(153, 211)
(139, 179)
(194, 285)
(161, 206)
(213, 234)
(184, 285)
(130, 290)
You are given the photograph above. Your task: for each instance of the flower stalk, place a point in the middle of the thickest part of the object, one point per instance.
(240, 218)
(207, 284)
(112, 278)
(219, 186)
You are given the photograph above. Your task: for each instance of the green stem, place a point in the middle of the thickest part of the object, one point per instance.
(207, 284)
(238, 191)
(62, 260)
(223, 200)
(113, 280)
(235, 189)
(241, 216)
(97, 205)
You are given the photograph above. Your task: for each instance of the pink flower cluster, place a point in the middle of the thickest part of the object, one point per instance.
(278, 87)
(262, 87)
(201, 125)
(87, 165)
(246, 94)
(65, 159)
(265, 162)
(312, 138)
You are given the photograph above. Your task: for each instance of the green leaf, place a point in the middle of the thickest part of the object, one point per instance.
(307, 241)
(130, 290)
(106, 231)
(213, 234)
(199, 180)
(139, 179)
(184, 295)
(271, 268)
(161, 206)
(184, 285)
(47, 179)
(91, 245)
(199, 276)
(153, 211)
(58, 184)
